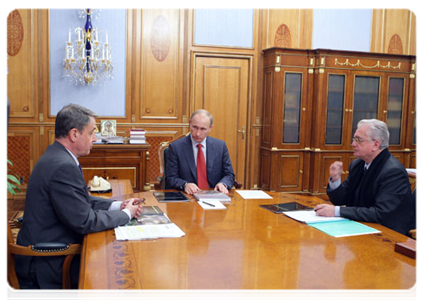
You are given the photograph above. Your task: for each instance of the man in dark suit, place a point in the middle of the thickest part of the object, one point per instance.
(183, 157)
(377, 188)
(58, 207)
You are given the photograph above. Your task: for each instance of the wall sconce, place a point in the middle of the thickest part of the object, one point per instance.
(87, 61)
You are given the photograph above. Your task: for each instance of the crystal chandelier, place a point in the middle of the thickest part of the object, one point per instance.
(87, 61)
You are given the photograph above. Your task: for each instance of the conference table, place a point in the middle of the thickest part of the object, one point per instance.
(243, 247)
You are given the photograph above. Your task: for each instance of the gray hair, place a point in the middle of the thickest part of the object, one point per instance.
(72, 116)
(378, 131)
(202, 111)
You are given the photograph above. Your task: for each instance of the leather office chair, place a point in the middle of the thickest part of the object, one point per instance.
(415, 190)
(41, 249)
(163, 148)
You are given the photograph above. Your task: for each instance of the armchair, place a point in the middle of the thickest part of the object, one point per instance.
(163, 148)
(41, 249)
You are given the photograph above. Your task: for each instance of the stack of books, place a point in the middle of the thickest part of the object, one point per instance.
(137, 136)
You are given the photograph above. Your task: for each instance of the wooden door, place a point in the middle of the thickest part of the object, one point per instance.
(221, 85)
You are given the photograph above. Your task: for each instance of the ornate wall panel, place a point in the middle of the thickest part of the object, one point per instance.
(21, 151)
(20, 51)
(160, 79)
(393, 30)
(289, 28)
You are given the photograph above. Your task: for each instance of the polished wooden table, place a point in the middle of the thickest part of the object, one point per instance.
(245, 247)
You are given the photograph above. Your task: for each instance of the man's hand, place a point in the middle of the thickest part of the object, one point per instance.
(136, 201)
(325, 210)
(191, 188)
(221, 188)
(133, 205)
(335, 170)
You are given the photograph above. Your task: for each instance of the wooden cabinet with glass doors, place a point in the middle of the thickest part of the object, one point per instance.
(287, 91)
(312, 102)
(349, 87)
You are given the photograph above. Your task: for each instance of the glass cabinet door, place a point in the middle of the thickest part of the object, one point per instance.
(395, 104)
(366, 99)
(292, 108)
(416, 133)
(334, 110)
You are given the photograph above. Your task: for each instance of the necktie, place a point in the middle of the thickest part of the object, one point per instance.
(201, 169)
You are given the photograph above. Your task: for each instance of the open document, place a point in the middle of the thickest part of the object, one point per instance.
(334, 226)
(148, 232)
(151, 224)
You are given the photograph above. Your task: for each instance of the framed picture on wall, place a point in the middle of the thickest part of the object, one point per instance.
(108, 128)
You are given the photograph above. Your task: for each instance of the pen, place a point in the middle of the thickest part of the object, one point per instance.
(138, 202)
(208, 203)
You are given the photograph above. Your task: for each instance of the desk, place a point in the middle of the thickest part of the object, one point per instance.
(118, 161)
(245, 247)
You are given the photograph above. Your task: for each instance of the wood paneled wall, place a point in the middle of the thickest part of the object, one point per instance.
(161, 77)
(393, 31)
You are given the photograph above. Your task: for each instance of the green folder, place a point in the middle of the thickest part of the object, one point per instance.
(343, 228)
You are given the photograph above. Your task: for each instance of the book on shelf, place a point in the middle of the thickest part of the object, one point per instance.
(137, 141)
(137, 136)
(138, 132)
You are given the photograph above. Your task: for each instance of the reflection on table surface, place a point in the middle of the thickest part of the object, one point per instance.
(246, 252)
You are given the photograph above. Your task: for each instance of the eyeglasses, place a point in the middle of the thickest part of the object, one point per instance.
(359, 140)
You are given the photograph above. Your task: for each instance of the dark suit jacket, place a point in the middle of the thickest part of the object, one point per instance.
(58, 208)
(180, 164)
(387, 200)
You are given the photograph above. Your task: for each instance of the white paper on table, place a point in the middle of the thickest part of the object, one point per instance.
(217, 205)
(146, 232)
(309, 216)
(253, 194)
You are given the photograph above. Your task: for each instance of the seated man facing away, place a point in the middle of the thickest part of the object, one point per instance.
(58, 207)
(197, 161)
(377, 188)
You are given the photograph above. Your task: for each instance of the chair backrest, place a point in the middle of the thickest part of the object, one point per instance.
(12, 249)
(11, 273)
(163, 148)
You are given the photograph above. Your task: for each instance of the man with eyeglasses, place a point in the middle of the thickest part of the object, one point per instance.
(377, 188)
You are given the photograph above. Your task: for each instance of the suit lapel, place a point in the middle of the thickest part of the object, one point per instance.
(210, 156)
(189, 156)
